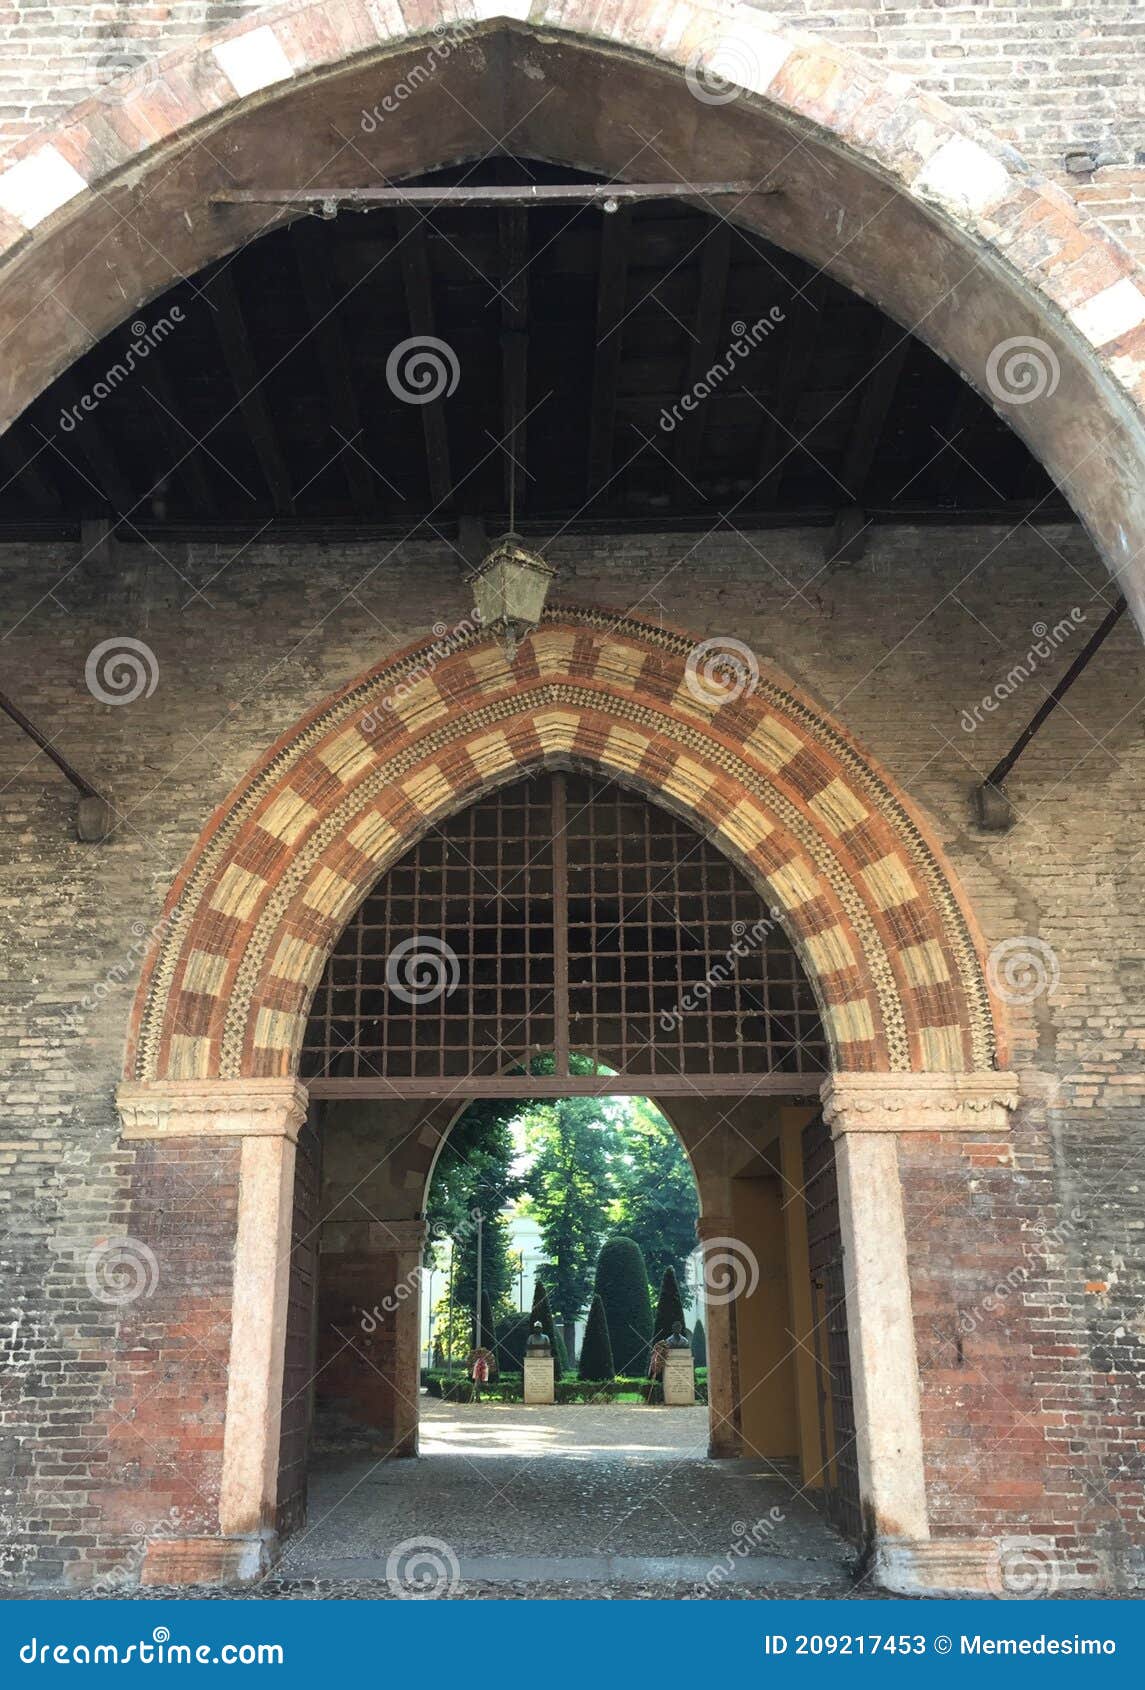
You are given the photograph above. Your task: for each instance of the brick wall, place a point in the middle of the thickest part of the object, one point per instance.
(901, 647)
(1048, 75)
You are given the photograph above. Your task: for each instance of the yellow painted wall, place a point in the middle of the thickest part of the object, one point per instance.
(770, 1422)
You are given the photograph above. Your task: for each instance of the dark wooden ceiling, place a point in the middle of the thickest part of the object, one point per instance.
(268, 403)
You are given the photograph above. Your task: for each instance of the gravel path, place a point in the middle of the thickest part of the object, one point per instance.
(621, 1497)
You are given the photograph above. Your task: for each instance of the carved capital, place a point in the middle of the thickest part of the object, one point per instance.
(713, 1228)
(273, 1108)
(919, 1103)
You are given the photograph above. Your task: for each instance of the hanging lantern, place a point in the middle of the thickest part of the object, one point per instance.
(510, 586)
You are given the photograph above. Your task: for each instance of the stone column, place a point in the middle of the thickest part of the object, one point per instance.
(265, 1116)
(866, 1114)
(369, 1321)
(724, 1439)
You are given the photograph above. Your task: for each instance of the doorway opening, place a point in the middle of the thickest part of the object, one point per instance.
(564, 1009)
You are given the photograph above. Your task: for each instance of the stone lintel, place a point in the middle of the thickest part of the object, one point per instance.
(274, 1108)
(919, 1103)
(372, 1238)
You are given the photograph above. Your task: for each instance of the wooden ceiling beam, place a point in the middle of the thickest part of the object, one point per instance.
(239, 357)
(708, 329)
(417, 276)
(875, 405)
(778, 440)
(312, 257)
(91, 441)
(513, 235)
(187, 457)
(611, 299)
(19, 469)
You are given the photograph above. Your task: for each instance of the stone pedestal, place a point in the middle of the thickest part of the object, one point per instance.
(539, 1379)
(679, 1379)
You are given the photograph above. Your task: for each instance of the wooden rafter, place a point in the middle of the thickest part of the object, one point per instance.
(513, 229)
(611, 296)
(778, 440)
(186, 456)
(235, 341)
(709, 331)
(417, 276)
(313, 260)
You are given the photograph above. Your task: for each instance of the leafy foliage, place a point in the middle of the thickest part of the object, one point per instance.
(570, 1184)
(699, 1344)
(656, 1202)
(669, 1308)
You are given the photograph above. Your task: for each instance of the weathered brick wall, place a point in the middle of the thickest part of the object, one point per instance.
(1048, 75)
(902, 647)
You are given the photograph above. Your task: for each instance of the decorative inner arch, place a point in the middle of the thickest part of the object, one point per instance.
(820, 833)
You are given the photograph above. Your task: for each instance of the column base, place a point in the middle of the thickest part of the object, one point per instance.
(937, 1566)
(209, 1560)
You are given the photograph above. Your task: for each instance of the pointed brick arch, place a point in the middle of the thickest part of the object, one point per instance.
(863, 893)
(947, 228)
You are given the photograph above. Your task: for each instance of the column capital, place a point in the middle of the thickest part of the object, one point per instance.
(270, 1108)
(713, 1227)
(979, 1102)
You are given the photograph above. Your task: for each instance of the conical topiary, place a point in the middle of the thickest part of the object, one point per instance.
(669, 1307)
(699, 1344)
(542, 1312)
(622, 1286)
(596, 1351)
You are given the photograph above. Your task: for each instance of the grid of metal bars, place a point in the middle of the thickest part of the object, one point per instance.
(563, 918)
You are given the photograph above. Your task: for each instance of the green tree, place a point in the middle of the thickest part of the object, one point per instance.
(542, 1311)
(669, 1308)
(699, 1344)
(596, 1351)
(474, 1175)
(656, 1202)
(622, 1286)
(570, 1185)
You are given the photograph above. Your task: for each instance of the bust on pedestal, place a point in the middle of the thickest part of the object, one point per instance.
(539, 1369)
(679, 1371)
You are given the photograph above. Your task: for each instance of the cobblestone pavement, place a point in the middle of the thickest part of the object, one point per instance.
(622, 1497)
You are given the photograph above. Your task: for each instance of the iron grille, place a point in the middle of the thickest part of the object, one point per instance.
(562, 918)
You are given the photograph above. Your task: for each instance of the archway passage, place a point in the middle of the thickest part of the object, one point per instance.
(879, 975)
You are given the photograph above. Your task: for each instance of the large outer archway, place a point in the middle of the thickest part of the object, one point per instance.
(944, 227)
(866, 896)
